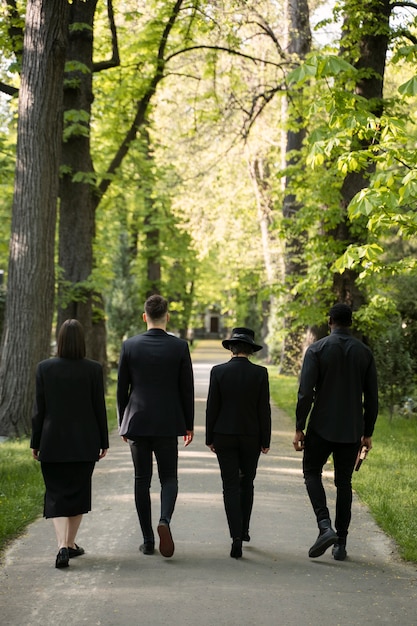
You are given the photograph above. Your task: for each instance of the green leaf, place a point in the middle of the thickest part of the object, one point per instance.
(302, 73)
(409, 88)
(331, 65)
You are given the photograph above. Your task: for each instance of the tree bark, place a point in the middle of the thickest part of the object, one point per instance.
(370, 41)
(78, 199)
(31, 281)
(298, 43)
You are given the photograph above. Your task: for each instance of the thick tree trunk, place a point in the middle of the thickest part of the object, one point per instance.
(79, 199)
(31, 281)
(371, 40)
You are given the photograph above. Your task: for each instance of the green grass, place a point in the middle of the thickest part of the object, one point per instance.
(21, 489)
(387, 480)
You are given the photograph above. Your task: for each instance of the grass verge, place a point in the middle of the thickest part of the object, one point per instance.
(387, 480)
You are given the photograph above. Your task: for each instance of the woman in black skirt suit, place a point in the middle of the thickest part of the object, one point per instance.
(69, 434)
(238, 429)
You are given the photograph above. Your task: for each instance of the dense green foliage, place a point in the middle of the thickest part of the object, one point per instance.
(194, 206)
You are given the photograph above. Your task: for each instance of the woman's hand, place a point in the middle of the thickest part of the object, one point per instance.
(188, 438)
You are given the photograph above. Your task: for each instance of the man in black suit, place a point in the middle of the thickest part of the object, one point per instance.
(339, 380)
(155, 403)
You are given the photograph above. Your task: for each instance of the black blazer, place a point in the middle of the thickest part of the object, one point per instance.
(155, 387)
(238, 401)
(70, 420)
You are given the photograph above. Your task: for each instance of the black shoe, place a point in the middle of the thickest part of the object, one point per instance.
(77, 551)
(62, 558)
(326, 538)
(339, 550)
(246, 537)
(166, 543)
(236, 550)
(147, 548)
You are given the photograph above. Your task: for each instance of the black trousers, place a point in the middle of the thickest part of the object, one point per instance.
(316, 452)
(238, 460)
(166, 454)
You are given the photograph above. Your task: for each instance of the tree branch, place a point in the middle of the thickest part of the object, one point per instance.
(410, 5)
(224, 49)
(115, 59)
(8, 89)
(143, 103)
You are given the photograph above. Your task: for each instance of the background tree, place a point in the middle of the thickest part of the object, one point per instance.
(30, 296)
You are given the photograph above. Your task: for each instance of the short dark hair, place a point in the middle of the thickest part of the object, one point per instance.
(341, 314)
(156, 307)
(71, 341)
(241, 347)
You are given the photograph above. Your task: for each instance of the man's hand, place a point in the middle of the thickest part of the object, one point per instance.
(35, 454)
(102, 453)
(298, 441)
(188, 438)
(367, 441)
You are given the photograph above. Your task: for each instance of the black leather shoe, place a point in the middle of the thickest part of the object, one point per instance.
(326, 538)
(236, 550)
(245, 537)
(62, 558)
(147, 548)
(77, 551)
(339, 551)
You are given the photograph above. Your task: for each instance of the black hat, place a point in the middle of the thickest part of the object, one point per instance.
(244, 335)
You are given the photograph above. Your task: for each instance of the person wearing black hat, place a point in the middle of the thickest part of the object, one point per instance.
(238, 428)
(339, 384)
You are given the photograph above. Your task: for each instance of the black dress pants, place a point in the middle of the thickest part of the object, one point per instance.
(238, 460)
(316, 452)
(166, 454)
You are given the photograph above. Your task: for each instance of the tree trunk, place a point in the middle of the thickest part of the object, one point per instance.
(31, 282)
(298, 43)
(79, 198)
(371, 39)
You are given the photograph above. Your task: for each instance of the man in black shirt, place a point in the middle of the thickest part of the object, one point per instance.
(339, 384)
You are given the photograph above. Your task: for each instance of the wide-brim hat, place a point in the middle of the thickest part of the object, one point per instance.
(242, 335)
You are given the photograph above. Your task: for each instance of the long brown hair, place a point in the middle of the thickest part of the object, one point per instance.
(71, 341)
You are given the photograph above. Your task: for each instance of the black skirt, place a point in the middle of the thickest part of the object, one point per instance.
(68, 488)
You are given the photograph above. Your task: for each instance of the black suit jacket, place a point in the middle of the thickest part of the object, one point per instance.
(70, 420)
(238, 401)
(338, 379)
(155, 387)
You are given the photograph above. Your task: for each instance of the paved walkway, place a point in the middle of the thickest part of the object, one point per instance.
(275, 583)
